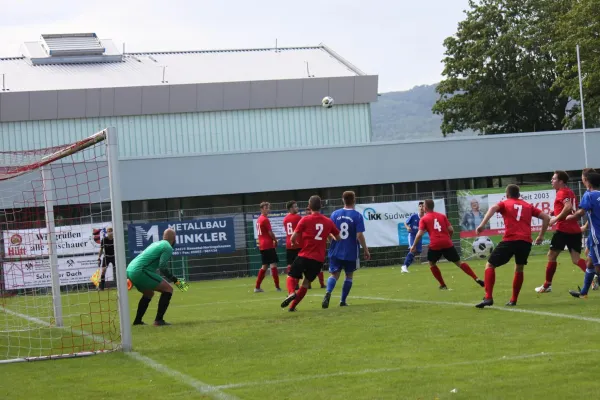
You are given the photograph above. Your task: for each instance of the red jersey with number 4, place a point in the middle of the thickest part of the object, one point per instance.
(436, 224)
(315, 229)
(263, 227)
(290, 222)
(517, 216)
(563, 195)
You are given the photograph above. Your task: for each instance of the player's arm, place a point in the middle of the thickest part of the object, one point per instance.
(450, 228)
(407, 223)
(418, 238)
(297, 232)
(163, 263)
(267, 228)
(101, 249)
(585, 226)
(363, 243)
(335, 232)
(584, 206)
(488, 215)
(545, 223)
(567, 208)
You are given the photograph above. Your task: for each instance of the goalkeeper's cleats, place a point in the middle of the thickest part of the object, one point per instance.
(139, 323)
(288, 300)
(182, 285)
(485, 303)
(162, 322)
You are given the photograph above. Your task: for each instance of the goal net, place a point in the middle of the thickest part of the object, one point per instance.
(56, 205)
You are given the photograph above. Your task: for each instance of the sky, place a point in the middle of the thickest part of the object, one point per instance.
(401, 41)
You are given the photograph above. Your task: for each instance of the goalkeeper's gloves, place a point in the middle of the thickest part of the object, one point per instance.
(182, 285)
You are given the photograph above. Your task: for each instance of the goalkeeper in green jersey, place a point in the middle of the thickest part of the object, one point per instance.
(142, 274)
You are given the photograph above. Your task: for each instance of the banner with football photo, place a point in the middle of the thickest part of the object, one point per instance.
(473, 205)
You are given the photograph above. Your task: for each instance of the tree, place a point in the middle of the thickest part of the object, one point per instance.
(580, 25)
(500, 75)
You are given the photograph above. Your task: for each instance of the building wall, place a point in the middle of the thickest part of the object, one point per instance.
(203, 133)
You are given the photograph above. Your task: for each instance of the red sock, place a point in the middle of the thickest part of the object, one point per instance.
(291, 284)
(275, 275)
(288, 269)
(299, 296)
(437, 274)
(467, 270)
(261, 276)
(581, 264)
(517, 283)
(321, 278)
(550, 270)
(490, 280)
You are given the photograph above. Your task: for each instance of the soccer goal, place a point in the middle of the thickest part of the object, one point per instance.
(55, 207)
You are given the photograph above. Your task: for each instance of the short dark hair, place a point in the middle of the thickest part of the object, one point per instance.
(349, 198)
(513, 191)
(264, 204)
(421, 203)
(593, 179)
(587, 171)
(290, 204)
(314, 203)
(562, 176)
(429, 203)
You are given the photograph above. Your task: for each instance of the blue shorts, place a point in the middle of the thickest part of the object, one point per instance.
(336, 265)
(594, 253)
(411, 240)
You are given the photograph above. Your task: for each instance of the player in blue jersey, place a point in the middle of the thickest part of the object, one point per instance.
(412, 226)
(343, 254)
(590, 204)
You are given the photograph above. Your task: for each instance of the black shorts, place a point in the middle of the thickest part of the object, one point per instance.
(108, 260)
(269, 256)
(291, 255)
(310, 268)
(449, 254)
(502, 254)
(561, 239)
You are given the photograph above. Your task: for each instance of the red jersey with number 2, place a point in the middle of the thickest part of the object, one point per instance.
(436, 224)
(263, 227)
(562, 195)
(517, 216)
(315, 229)
(290, 222)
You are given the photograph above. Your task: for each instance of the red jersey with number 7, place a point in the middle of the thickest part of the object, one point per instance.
(517, 216)
(315, 229)
(290, 222)
(436, 224)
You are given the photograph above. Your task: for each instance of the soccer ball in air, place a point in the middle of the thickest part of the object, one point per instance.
(482, 247)
(327, 102)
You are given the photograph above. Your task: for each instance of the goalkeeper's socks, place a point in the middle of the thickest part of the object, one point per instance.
(331, 284)
(346, 289)
(142, 307)
(587, 281)
(299, 296)
(275, 275)
(260, 277)
(102, 281)
(163, 304)
(409, 259)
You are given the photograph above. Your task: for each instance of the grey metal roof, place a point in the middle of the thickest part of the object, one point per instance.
(146, 69)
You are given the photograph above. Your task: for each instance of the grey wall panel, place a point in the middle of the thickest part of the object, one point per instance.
(155, 100)
(107, 102)
(92, 103)
(43, 105)
(342, 89)
(128, 101)
(365, 88)
(263, 94)
(236, 173)
(72, 103)
(236, 95)
(182, 98)
(14, 106)
(209, 97)
(289, 93)
(314, 90)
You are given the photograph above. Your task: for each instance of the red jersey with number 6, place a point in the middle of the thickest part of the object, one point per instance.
(436, 224)
(562, 195)
(290, 222)
(263, 227)
(315, 229)
(517, 216)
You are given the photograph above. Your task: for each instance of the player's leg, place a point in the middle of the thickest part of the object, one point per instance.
(349, 269)
(452, 255)
(272, 259)
(275, 276)
(557, 245)
(521, 250)
(103, 274)
(262, 272)
(144, 282)
(166, 292)
(310, 269)
(591, 268)
(433, 256)
(321, 278)
(335, 269)
(296, 273)
(500, 256)
(410, 257)
(575, 247)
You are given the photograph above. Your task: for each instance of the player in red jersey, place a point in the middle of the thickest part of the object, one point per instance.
(266, 243)
(517, 214)
(289, 224)
(440, 243)
(568, 232)
(314, 230)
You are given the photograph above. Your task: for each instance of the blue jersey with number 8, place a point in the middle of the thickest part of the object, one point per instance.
(349, 222)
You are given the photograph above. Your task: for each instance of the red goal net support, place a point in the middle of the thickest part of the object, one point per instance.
(59, 295)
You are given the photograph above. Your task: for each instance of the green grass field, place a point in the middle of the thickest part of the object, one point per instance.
(401, 338)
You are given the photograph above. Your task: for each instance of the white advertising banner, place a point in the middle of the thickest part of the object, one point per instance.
(70, 240)
(36, 273)
(384, 222)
